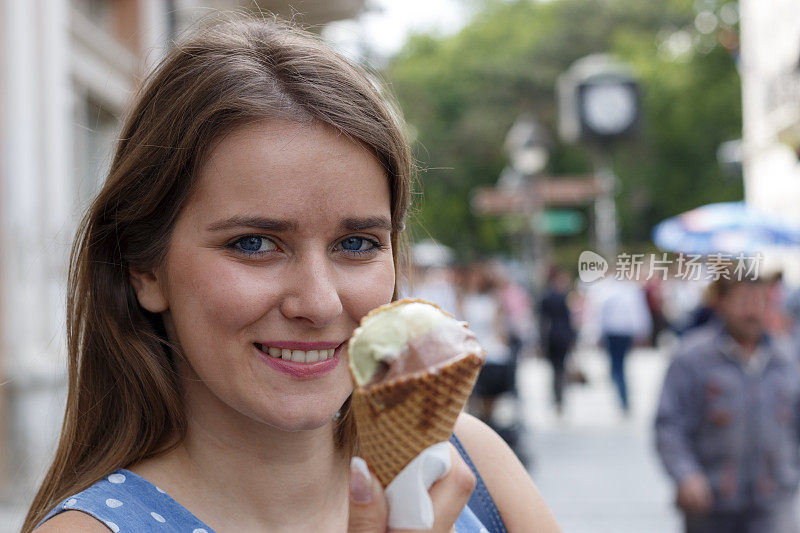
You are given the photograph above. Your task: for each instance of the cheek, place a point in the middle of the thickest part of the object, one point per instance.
(750, 306)
(758, 310)
(365, 289)
(212, 293)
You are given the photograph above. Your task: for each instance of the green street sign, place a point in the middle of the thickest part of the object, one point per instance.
(559, 222)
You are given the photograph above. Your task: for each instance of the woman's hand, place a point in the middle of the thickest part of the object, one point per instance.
(369, 510)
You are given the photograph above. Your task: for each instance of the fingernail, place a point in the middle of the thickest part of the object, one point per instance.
(360, 481)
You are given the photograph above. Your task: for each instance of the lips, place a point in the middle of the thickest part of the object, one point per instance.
(306, 369)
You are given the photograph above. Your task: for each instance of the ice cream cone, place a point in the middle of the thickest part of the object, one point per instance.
(396, 420)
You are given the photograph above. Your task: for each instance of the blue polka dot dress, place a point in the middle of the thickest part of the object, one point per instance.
(126, 502)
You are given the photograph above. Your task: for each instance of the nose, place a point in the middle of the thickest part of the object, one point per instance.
(312, 293)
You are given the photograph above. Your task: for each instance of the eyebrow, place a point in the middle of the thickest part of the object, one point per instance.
(271, 224)
(268, 224)
(358, 224)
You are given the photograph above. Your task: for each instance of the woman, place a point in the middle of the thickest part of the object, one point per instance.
(481, 307)
(252, 215)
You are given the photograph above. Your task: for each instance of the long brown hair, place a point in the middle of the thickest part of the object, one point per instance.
(123, 402)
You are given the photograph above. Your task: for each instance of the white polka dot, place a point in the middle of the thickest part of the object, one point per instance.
(71, 502)
(117, 478)
(199, 530)
(114, 527)
(158, 517)
(161, 491)
(111, 502)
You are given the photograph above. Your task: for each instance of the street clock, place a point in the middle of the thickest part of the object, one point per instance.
(598, 101)
(609, 109)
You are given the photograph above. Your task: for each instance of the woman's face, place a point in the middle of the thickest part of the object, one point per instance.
(282, 248)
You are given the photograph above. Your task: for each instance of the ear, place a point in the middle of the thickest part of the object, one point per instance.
(149, 291)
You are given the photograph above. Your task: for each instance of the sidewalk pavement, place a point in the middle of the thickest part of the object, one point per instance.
(596, 469)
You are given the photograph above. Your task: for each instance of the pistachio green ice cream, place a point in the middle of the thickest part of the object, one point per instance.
(405, 338)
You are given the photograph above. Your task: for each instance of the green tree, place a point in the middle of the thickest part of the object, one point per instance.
(461, 93)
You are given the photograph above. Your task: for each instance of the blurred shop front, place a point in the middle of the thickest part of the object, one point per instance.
(67, 71)
(770, 70)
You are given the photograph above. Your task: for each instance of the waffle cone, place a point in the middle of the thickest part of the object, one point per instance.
(398, 419)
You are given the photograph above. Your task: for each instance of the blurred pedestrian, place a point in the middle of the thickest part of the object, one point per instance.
(517, 311)
(728, 421)
(704, 312)
(557, 331)
(654, 294)
(682, 296)
(480, 306)
(432, 277)
(624, 318)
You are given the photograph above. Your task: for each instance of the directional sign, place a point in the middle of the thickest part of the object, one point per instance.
(559, 222)
(570, 191)
(491, 201)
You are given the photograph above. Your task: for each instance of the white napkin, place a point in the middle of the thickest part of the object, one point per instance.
(410, 505)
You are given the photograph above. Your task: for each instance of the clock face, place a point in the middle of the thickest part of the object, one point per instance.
(609, 109)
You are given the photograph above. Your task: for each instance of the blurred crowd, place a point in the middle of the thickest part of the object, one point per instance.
(727, 427)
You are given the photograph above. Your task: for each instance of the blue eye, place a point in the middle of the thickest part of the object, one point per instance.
(253, 244)
(357, 245)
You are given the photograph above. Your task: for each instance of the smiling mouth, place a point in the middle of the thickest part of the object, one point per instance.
(298, 356)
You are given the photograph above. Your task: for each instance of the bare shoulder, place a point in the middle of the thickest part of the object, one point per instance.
(514, 493)
(73, 522)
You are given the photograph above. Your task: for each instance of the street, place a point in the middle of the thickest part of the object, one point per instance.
(596, 469)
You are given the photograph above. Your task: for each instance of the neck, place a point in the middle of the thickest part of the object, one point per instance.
(747, 344)
(270, 478)
(237, 474)
(748, 347)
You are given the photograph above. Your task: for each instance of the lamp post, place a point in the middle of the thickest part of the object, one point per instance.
(527, 145)
(599, 103)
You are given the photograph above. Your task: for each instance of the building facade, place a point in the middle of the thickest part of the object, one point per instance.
(67, 71)
(770, 70)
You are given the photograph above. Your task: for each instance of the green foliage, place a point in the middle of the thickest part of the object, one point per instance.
(461, 94)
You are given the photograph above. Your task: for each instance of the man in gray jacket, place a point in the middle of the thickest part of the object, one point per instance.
(728, 421)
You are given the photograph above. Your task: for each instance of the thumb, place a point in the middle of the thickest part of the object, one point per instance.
(368, 507)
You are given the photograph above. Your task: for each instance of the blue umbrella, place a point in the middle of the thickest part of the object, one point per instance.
(731, 227)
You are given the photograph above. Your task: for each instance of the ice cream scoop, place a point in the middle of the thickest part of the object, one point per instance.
(407, 337)
(414, 366)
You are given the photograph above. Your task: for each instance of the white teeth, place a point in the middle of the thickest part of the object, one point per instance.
(298, 356)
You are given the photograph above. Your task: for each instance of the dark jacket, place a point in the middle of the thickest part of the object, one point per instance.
(555, 320)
